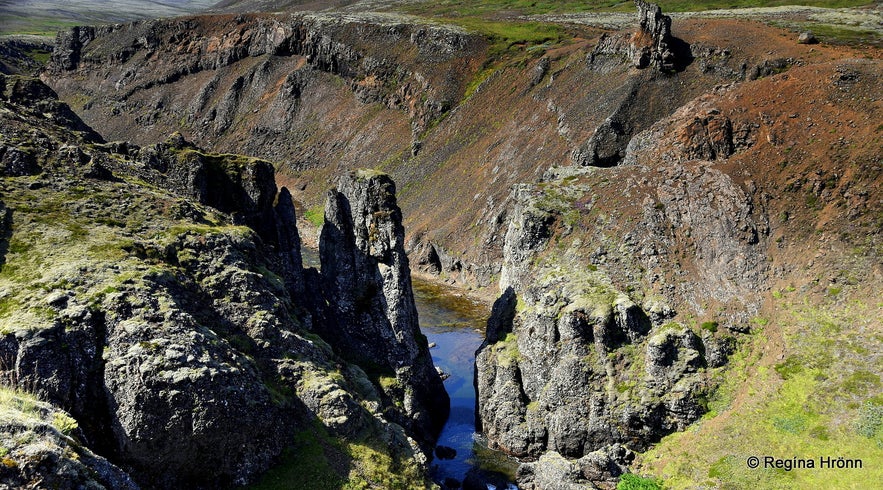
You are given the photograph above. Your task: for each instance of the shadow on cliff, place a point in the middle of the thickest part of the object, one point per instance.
(683, 54)
(500, 323)
(502, 316)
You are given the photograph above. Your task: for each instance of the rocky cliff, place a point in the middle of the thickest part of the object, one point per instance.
(597, 337)
(367, 283)
(399, 65)
(324, 93)
(571, 363)
(683, 214)
(157, 294)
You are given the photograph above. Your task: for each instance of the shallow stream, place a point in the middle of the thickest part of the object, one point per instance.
(454, 326)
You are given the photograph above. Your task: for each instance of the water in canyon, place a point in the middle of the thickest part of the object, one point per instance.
(454, 326)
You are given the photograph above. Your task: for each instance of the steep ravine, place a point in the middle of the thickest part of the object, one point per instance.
(680, 224)
(323, 93)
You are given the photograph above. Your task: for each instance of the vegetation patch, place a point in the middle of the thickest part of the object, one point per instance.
(631, 481)
(315, 215)
(306, 464)
(819, 401)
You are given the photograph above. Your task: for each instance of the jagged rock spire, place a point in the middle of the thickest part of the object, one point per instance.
(649, 46)
(366, 280)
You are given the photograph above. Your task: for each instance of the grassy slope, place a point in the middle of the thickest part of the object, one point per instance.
(807, 385)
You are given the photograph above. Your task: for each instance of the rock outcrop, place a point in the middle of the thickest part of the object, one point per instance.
(40, 449)
(179, 331)
(599, 469)
(366, 280)
(17, 54)
(571, 363)
(650, 46)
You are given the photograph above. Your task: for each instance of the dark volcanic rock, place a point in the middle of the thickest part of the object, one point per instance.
(367, 283)
(651, 45)
(16, 162)
(179, 339)
(41, 450)
(445, 452)
(570, 363)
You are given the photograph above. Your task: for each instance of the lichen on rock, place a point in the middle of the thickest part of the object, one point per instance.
(366, 279)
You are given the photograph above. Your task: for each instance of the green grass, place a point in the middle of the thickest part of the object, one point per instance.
(821, 400)
(35, 26)
(316, 460)
(315, 215)
(39, 55)
(841, 34)
(630, 481)
(303, 465)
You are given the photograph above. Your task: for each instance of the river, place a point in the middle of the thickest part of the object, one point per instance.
(454, 326)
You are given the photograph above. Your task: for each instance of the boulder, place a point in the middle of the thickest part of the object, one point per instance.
(807, 37)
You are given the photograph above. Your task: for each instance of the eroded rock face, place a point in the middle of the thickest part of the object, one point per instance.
(366, 280)
(650, 45)
(180, 340)
(362, 52)
(571, 364)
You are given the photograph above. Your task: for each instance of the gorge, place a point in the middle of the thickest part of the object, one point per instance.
(673, 219)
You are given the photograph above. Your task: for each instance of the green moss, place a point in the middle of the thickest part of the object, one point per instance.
(389, 383)
(315, 215)
(377, 469)
(709, 326)
(789, 367)
(8, 305)
(861, 382)
(506, 350)
(630, 481)
(477, 80)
